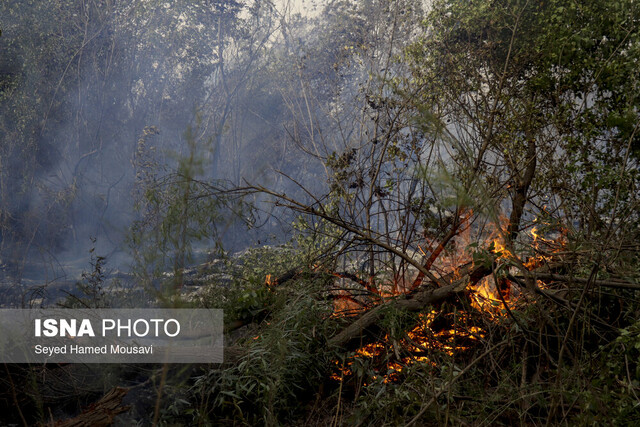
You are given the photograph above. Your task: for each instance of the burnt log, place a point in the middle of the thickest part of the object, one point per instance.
(351, 336)
(101, 413)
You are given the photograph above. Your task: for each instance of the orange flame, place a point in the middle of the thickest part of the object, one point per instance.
(270, 280)
(491, 296)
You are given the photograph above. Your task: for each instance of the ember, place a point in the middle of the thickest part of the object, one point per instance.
(456, 328)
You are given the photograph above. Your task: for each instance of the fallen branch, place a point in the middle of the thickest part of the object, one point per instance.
(101, 413)
(411, 302)
(296, 273)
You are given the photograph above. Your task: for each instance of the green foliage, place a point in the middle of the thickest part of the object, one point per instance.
(177, 210)
(613, 391)
(488, 105)
(283, 363)
(97, 290)
(559, 73)
(248, 295)
(93, 282)
(389, 403)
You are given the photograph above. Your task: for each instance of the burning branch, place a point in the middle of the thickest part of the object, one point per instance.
(411, 302)
(459, 280)
(454, 231)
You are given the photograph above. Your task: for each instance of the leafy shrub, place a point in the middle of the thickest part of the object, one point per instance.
(285, 362)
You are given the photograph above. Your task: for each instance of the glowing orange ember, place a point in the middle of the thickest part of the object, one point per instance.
(450, 333)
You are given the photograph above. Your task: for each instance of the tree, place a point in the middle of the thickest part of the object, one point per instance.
(515, 109)
(77, 90)
(484, 119)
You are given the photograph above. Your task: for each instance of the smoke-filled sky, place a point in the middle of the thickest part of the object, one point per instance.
(106, 109)
(98, 99)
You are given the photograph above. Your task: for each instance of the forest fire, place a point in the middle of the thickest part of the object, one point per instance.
(453, 329)
(438, 200)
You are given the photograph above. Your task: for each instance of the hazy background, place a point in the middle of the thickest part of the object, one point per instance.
(96, 97)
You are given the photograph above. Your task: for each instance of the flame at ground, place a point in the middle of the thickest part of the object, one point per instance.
(416, 346)
(493, 296)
